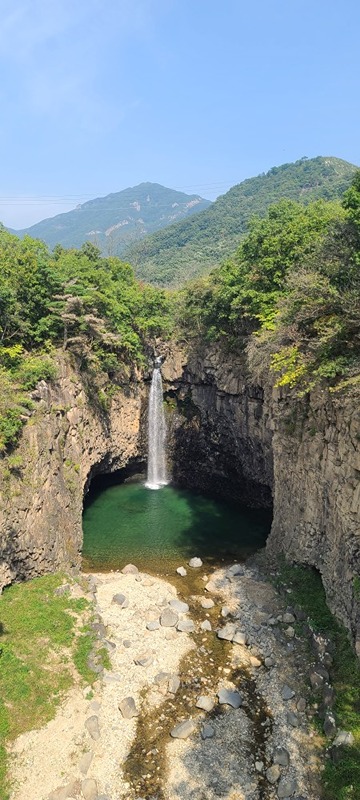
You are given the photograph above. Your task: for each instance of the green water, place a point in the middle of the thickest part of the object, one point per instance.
(160, 530)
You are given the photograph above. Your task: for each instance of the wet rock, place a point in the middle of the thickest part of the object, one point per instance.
(207, 732)
(287, 693)
(153, 625)
(287, 788)
(92, 726)
(227, 632)
(206, 625)
(130, 569)
(120, 600)
(89, 789)
(230, 698)
(85, 762)
(273, 774)
(281, 756)
(185, 626)
(168, 618)
(128, 708)
(179, 606)
(183, 730)
(205, 702)
(195, 562)
(181, 571)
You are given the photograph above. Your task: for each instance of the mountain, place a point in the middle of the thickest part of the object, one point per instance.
(194, 246)
(115, 221)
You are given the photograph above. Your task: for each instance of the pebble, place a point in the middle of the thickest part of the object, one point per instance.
(181, 571)
(286, 788)
(239, 638)
(154, 625)
(85, 762)
(183, 730)
(273, 773)
(168, 618)
(195, 562)
(174, 684)
(179, 606)
(128, 708)
(292, 719)
(227, 632)
(130, 569)
(206, 625)
(207, 732)
(144, 660)
(205, 702)
(185, 626)
(92, 726)
(230, 698)
(120, 600)
(207, 602)
(89, 789)
(287, 693)
(281, 756)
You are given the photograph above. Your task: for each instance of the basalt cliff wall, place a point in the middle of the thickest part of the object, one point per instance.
(246, 439)
(228, 433)
(68, 439)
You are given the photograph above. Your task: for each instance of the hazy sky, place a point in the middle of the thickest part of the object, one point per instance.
(194, 94)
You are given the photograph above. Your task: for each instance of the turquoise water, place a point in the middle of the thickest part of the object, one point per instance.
(160, 530)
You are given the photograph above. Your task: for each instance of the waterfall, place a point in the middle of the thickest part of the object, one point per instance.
(156, 474)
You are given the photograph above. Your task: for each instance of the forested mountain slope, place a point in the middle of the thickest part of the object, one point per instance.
(194, 246)
(115, 221)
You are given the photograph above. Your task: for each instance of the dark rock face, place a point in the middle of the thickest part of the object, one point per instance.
(247, 440)
(220, 437)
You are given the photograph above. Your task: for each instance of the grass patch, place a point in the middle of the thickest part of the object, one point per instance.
(340, 781)
(38, 640)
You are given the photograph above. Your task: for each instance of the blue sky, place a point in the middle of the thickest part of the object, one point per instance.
(194, 94)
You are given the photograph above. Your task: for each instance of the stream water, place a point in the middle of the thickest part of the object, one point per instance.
(159, 531)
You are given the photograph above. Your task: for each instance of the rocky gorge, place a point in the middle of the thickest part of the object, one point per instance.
(241, 438)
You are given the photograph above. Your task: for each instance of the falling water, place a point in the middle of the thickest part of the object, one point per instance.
(156, 475)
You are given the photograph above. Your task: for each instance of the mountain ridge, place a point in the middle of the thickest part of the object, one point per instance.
(112, 222)
(193, 247)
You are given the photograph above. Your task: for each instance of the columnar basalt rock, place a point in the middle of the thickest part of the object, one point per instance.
(228, 433)
(66, 440)
(248, 440)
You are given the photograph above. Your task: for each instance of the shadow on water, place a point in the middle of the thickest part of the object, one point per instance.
(158, 530)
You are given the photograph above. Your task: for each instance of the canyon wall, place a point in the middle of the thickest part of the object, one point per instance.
(67, 439)
(246, 439)
(228, 433)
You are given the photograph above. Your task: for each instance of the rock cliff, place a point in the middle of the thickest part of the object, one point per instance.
(228, 433)
(67, 439)
(246, 439)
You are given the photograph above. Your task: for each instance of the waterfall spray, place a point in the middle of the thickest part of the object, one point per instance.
(156, 474)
